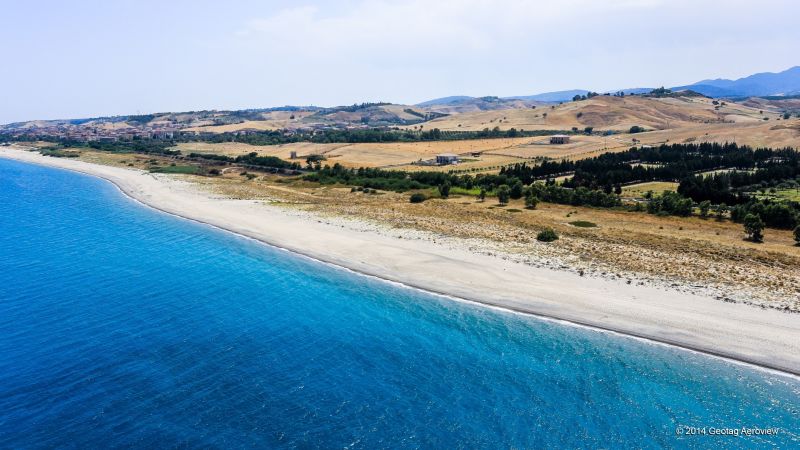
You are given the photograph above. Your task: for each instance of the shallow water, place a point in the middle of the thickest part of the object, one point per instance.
(124, 327)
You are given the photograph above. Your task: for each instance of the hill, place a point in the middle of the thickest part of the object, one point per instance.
(757, 85)
(604, 112)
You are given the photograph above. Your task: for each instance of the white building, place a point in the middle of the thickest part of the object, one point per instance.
(447, 158)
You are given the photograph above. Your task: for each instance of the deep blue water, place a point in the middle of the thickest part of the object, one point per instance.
(124, 327)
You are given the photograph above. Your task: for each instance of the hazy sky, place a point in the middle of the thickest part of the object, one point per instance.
(67, 59)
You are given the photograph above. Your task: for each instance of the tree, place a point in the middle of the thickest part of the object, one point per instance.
(720, 211)
(482, 195)
(444, 189)
(503, 193)
(618, 189)
(516, 190)
(705, 205)
(531, 200)
(797, 235)
(754, 227)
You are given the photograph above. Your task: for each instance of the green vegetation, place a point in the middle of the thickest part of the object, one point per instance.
(417, 197)
(251, 159)
(670, 203)
(60, 153)
(775, 215)
(583, 224)
(547, 235)
(531, 200)
(189, 170)
(503, 194)
(754, 227)
(636, 129)
(704, 206)
(444, 189)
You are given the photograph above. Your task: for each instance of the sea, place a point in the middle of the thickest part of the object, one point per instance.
(124, 327)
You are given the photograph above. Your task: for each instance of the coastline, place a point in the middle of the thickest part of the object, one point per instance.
(763, 337)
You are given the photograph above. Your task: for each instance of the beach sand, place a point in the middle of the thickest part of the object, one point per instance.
(764, 337)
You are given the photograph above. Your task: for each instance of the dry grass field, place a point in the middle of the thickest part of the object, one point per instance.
(497, 152)
(606, 113)
(273, 120)
(656, 187)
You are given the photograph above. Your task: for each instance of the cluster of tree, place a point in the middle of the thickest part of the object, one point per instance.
(401, 181)
(135, 146)
(588, 95)
(732, 187)
(250, 159)
(576, 197)
(665, 163)
(783, 215)
(356, 107)
(670, 203)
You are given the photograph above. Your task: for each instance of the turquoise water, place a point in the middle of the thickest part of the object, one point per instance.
(124, 327)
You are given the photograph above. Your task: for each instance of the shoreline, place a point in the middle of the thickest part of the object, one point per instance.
(767, 339)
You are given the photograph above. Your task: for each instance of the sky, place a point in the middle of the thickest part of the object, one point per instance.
(73, 59)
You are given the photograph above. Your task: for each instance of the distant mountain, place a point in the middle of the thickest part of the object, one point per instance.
(461, 104)
(453, 99)
(552, 97)
(758, 85)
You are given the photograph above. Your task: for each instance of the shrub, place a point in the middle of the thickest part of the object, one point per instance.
(418, 198)
(503, 194)
(547, 235)
(705, 205)
(444, 189)
(583, 224)
(516, 190)
(531, 200)
(753, 227)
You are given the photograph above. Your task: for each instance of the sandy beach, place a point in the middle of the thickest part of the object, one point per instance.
(765, 337)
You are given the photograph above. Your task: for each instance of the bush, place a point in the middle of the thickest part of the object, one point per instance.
(516, 190)
(705, 205)
(418, 198)
(444, 189)
(753, 227)
(531, 200)
(503, 193)
(583, 224)
(547, 235)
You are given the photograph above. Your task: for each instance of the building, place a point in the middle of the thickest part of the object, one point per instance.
(447, 158)
(559, 139)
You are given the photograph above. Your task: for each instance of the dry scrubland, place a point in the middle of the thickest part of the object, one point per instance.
(686, 254)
